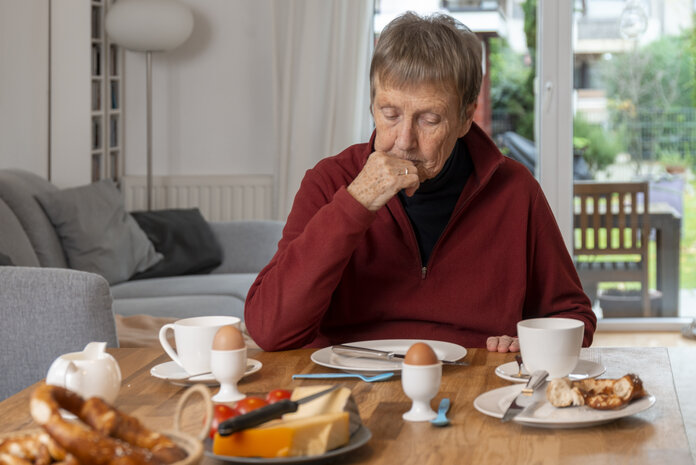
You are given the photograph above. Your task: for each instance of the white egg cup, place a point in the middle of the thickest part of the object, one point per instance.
(228, 367)
(421, 383)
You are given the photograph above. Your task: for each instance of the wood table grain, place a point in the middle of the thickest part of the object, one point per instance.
(655, 436)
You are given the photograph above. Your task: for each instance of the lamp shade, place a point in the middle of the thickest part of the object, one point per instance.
(149, 25)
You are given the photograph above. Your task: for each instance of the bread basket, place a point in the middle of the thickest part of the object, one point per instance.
(192, 444)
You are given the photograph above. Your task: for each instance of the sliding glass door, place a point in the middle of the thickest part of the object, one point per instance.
(634, 126)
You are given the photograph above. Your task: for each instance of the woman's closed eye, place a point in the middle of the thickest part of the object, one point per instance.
(430, 120)
(390, 115)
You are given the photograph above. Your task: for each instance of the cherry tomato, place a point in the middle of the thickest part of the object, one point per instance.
(221, 412)
(278, 394)
(248, 404)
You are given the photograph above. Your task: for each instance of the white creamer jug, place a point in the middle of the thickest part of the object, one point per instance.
(92, 372)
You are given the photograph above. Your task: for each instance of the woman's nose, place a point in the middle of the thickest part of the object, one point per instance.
(406, 138)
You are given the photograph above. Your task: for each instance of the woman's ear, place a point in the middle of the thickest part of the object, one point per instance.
(468, 119)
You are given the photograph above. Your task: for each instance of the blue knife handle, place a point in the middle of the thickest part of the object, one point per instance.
(324, 375)
(257, 417)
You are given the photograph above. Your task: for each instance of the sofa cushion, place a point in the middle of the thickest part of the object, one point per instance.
(185, 239)
(247, 245)
(14, 242)
(234, 285)
(181, 306)
(97, 233)
(17, 189)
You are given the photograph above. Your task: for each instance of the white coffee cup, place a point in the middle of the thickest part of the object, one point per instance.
(194, 340)
(551, 344)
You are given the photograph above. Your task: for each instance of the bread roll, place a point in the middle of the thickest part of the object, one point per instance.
(601, 394)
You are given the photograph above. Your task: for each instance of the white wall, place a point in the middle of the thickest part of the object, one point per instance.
(212, 97)
(71, 130)
(24, 85)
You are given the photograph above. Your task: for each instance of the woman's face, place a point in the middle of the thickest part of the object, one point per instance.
(420, 123)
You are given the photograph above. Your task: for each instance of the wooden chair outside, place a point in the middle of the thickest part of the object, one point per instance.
(611, 235)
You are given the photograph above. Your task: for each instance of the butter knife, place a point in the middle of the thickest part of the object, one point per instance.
(266, 413)
(525, 398)
(354, 351)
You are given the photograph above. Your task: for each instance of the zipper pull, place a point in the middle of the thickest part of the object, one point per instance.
(424, 272)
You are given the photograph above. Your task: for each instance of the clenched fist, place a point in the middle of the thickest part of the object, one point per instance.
(382, 177)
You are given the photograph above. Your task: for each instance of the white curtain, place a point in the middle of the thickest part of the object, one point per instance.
(321, 93)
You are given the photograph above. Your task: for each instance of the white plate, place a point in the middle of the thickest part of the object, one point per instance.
(173, 373)
(544, 415)
(584, 369)
(357, 440)
(326, 357)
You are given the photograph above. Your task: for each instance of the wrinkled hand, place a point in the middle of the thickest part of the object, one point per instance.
(382, 177)
(502, 344)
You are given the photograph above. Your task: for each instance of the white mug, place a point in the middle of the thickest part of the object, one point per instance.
(194, 340)
(90, 373)
(551, 344)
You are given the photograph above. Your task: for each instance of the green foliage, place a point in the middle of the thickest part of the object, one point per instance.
(687, 254)
(529, 7)
(509, 92)
(658, 75)
(646, 87)
(512, 79)
(598, 146)
(672, 158)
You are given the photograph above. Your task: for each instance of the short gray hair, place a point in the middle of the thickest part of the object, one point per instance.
(434, 49)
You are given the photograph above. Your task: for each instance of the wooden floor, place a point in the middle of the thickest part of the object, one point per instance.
(641, 339)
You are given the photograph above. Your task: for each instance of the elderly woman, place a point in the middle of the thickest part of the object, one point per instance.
(424, 232)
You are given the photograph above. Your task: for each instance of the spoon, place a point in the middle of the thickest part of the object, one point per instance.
(441, 419)
(369, 379)
(518, 359)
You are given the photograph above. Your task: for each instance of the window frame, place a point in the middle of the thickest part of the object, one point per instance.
(554, 112)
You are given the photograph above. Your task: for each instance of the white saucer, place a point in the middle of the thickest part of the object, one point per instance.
(584, 369)
(173, 373)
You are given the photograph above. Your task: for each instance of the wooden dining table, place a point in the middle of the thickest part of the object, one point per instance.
(657, 435)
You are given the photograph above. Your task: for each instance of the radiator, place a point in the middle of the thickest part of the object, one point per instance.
(219, 198)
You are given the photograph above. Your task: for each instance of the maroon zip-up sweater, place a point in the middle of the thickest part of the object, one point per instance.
(343, 273)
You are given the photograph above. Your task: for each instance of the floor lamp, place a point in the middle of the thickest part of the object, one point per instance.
(149, 26)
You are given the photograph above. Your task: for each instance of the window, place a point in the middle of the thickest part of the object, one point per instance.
(634, 121)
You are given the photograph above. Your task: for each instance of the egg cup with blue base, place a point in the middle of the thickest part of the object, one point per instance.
(228, 367)
(421, 383)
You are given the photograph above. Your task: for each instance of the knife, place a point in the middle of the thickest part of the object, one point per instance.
(354, 351)
(525, 398)
(266, 413)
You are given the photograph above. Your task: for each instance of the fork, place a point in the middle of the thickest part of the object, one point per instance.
(369, 379)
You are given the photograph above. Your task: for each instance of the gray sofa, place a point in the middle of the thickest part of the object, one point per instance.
(47, 312)
(29, 239)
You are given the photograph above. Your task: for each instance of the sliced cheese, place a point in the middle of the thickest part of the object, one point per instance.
(282, 438)
(336, 401)
(332, 402)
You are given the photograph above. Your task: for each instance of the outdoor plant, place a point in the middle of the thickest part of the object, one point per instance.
(673, 161)
(596, 145)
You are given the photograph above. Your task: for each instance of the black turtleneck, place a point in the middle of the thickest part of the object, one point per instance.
(430, 208)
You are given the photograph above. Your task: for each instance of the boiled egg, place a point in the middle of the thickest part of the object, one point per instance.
(420, 353)
(228, 338)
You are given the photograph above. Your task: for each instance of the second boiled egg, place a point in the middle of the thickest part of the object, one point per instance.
(420, 353)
